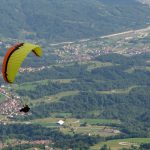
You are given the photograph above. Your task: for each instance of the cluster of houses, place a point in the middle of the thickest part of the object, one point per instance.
(145, 1)
(121, 43)
(9, 95)
(4, 44)
(3, 91)
(10, 107)
(87, 49)
(31, 69)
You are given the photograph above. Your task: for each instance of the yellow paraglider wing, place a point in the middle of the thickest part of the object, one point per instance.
(15, 57)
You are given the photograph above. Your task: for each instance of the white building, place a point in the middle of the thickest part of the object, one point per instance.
(2, 86)
(60, 122)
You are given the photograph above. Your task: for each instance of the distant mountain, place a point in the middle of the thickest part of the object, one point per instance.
(63, 20)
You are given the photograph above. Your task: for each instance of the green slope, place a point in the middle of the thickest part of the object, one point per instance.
(69, 20)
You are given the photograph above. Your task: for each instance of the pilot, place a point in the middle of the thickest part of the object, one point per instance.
(25, 109)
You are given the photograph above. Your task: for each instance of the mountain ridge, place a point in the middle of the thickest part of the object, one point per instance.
(69, 20)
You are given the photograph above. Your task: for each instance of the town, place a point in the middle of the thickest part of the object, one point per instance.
(127, 43)
(10, 106)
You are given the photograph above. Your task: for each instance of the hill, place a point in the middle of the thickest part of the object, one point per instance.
(111, 85)
(69, 20)
(103, 96)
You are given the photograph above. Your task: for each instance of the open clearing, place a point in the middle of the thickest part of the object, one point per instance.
(32, 85)
(78, 126)
(139, 68)
(118, 91)
(54, 98)
(122, 143)
(100, 121)
(96, 64)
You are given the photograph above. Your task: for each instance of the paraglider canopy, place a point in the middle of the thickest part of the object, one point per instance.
(15, 57)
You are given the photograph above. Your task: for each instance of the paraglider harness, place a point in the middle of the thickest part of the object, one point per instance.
(25, 109)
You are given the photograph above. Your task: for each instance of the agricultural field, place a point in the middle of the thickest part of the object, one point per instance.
(54, 98)
(79, 126)
(91, 65)
(100, 121)
(136, 68)
(118, 91)
(122, 143)
(32, 85)
(25, 86)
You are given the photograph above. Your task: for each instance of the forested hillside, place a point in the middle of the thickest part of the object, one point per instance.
(105, 94)
(115, 86)
(68, 19)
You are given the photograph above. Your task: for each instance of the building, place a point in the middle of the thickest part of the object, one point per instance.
(60, 122)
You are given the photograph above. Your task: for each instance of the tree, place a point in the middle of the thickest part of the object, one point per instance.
(105, 147)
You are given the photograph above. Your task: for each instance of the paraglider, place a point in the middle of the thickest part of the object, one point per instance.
(25, 109)
(15, 57)
(13, 60)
